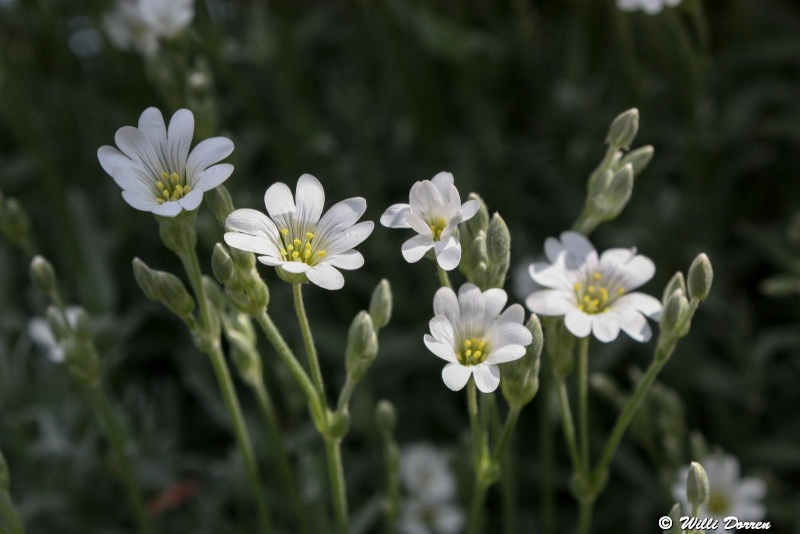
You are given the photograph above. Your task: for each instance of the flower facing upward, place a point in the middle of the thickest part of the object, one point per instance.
(729, 494)
(434, 211)
(471, 333)
(297, 238)
(594, 294)
(154, 168)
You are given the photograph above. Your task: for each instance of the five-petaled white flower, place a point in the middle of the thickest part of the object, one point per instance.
(40, 333)
(155, 169)
(471, 333)
(593, 294)
(651, 7)
(434, 211)
(139, 24)
(729, 494)
(297, 238)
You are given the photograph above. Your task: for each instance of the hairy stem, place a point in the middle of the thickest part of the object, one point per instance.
(308, 339)
(444, 278)
(333, 451)
(583, 401)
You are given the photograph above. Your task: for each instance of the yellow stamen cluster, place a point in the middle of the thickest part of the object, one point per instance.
(301, 250)
(718, 504)
(171, 187)
(595, 297)
(473, 351)
(437, 226)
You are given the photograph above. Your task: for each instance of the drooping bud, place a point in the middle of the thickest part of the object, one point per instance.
(697, 487)
(380, 305)
(57, 324)
(521, 377)
(222, 264)
(676, 282)
(674, 310)
(174, 295)
(362, 346)
(385, 418)
(624, 128)
(220, 203)
(701, 275)
(639, 159)
(147, 280)
(43, 276)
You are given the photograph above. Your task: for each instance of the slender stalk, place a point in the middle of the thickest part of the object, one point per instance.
(308, 339)
(472, 406)
(479, 487)
(508, 492)
(117, 438)
(508, 431)
(346, 393)
(444, 278)
(585, 517)
(281, 456)
(392, 502)
(476, 508)
(338, 490)
(569, 426)
(583, 401)
(546, 485)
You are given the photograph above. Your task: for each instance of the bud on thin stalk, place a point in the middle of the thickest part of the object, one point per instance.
(174, 295)
(57, 324)
(380, 305)
(623, 129)
(147, 279)
(498, 240)
(481, 219)
(697, 487)
(674, 310)
(83, 325)
(675, 283)
(639, 159)
(385, 418)
(5, 477)
(362, 346)
(701, 275)
(43, 276)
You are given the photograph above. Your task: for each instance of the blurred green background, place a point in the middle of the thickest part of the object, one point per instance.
(514, 98)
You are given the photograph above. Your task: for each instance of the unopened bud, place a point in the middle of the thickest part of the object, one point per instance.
(676, 282)
(147, 279)
(521, 377)
(480, 221)
(15, 223)
(385, 418)
(674, 310)
(624, 128)
(57, 324)
(362, 346)
(498, 240)
(639, 159)
(675, 516)
(610, 202)
(214, 293)
(380, 305)
(701, 275)
(5, 476)
(222, 264)
(242, 259)
(174, 295)
(478, 253)
(43, 275)
(697, 488)
(219, 201)
(338, 424)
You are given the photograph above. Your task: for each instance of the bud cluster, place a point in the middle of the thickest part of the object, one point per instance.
(236, 270)
(242, 340)
(485, 248)
(166, 288)
(678, 308)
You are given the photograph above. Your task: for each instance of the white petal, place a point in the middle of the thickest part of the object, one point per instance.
(578, 323)
(167, 209)
(638, 271)
(425, 198)
(342, 215)
(110, 158)
(635, 325)
(487, 377)
(469, 209)
(347, 239)
(470, 302)
(642, 302)
(752, 489)
(417, 224)
(616, 257)
(452, 224)
(550, 302)
(296, 267)
(605, 326)
(394, 216)
(310, 198)
(151, 123)
(250, 243)
(448, 256)
(142, 202)
(40, 333)
(252, 222)
(578, 246)
(133, 178)
(135, 144)
(513, 314)
(207, 153)
(455, 376)
(280, 203)
(272, 261)
(494, 299)
(192, 200)
(442, 330)
(554, 250)
(347, 260)
(445, 303)
(552, 276)
(415, 248)
(453, 199)
(509, 353)
(443, 181)
(179, 139)
(503, 334)
(441, 350)
(212, 177)
(325, 276)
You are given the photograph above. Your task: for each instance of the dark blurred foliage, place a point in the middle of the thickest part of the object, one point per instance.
(512, 97)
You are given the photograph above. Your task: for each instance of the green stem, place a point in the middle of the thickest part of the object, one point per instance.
(508, 431)
(346, 394)
(338, 490)
(476, 508)
(547, 462)
(282, 458)
(583, 401)
(479, 487)
(477, 438)
(392, 503)
(444, 278)
(569, 426)
(117, 438)
(308, 339)
(585, 517)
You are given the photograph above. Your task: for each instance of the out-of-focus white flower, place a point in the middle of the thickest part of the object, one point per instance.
(40, 333)
(651, 7)
(155, 169)
(429, 482)
(140, 24)
(594, 293)
(473, 336)
(298, 238)
(730, 495)
(434, 211)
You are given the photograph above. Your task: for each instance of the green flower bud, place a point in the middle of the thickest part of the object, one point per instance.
(639, 159)
(242, 259)
(214, 294)
(147, 280)
(245, 358)
(338, 424)
(15, 222)
(174, 295)
(43, 276)
(222, 264)
(697, 488)
(380, 305)
(57, 324)
(478, 253)
(83, 325)
(5, 476)
(675, 515)
(220, 203)
(598, 183)
(385, 418)
(498, 241)
(362, 346)
(480, 222)
(701, 275)
(82, 361)
(521, 377)
(623, 129)
(610, 202)
(676, 282)
(674, 310)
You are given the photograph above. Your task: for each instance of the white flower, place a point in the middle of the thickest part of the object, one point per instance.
(423, 517)
(472, 334)
(297, 238)
(593, 294)
(40, 333)
(155, 169)
(434, 211)
(729, 494)
(651, 7)
(140, 24)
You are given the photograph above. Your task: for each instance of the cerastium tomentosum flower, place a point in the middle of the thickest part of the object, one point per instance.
(594, 293)
(473, 334)
(140, 24)
(297, 239)
(434, 211)
(155, 169)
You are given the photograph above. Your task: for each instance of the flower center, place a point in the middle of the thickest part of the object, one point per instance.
(718, 504)
(171, 187)
(299, 248)
(473, 351)
(437, 226)
(595, 296)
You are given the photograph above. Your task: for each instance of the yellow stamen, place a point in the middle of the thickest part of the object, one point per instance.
(165, 175)
(621, 291)
(468, 353)
(176, 195)
(165, 193)
(306, 254)
(285, 231)
(477, 354)
(321, 253)
(186, 189)
(577, 286)
(295, 255)
(467, 344)
(174, 177)
(160, 185)
(297, 242)
(591, 289)
(309, 235)
(160, 200)
(290, 247)
(603, 294)
(308, 246)
(283, 252)
(179, 188)
(597, 276)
